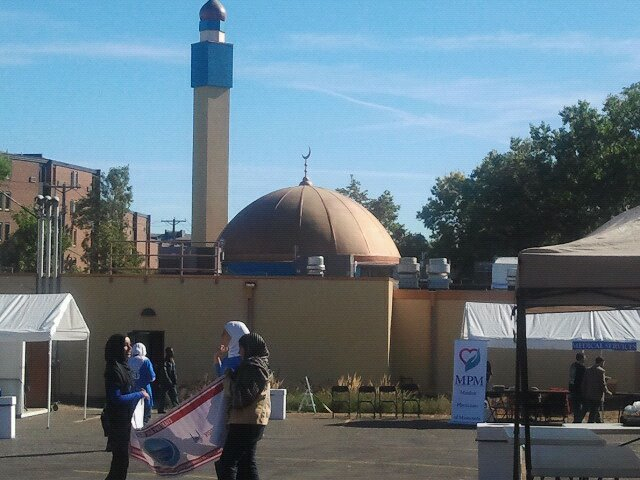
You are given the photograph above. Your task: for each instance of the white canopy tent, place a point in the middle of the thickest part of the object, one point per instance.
(44, 318)
(495, 322)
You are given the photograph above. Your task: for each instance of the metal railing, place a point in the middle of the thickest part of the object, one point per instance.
(165, 257)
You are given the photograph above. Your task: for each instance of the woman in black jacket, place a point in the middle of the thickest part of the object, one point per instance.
(121, 402)
(168, 381)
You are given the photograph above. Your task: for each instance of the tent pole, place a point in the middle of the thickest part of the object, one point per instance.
(86, 378)
(524, 383)
(49, 387)
(516, 422)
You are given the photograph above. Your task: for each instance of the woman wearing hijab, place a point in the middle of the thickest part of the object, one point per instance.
(250, 407)
(121, 402)
(143, 375)
(228, 355)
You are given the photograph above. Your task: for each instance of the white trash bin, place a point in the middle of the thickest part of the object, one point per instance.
(278, 404)
(7, 417)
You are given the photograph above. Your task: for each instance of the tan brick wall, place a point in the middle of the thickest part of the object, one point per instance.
(323, 328)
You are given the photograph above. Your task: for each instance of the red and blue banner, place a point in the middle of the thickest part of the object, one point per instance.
(188, 437)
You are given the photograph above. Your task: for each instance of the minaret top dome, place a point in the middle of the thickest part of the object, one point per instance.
(213, 10)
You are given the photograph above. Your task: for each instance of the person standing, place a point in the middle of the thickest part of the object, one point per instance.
(248, 389)
(168, 381)
(228, 354)
(576, 374)
(594, 388)
(121, 402)
(143, 376)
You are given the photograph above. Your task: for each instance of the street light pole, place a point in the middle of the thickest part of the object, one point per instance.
(63, 189)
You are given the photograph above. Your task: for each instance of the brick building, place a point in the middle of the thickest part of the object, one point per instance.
(33, 174)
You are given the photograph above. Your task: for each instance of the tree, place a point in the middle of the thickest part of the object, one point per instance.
(386, 211)
(5, 166)
(19, 251)
(354, 191)
(103, 213)
(553, 187)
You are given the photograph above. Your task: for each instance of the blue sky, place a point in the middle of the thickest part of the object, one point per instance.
(397, 93)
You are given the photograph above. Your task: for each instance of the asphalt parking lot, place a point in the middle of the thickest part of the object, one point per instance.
(304, 446)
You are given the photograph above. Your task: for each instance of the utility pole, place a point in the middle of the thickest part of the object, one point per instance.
(173, 224)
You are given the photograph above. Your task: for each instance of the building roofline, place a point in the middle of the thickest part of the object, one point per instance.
(38, 158)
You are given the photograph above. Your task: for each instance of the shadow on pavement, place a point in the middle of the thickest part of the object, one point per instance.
(417, 424)
(52, 454)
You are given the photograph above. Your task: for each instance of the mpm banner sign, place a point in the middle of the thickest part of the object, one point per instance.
(469, 381)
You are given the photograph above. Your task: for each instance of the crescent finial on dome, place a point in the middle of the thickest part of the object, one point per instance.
(213, 10)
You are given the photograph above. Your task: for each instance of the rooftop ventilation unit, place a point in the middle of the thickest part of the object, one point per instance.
(315, 266)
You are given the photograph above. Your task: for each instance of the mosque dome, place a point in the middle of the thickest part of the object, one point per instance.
(213, 10)
(307, 221)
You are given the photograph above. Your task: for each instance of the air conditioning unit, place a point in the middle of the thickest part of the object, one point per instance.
(315, 266)
(32, 180)
(408, 273)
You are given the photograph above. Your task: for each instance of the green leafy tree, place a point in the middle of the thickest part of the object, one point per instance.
(355, 192)
(19, 251)
(385, 209)
(103, 213)
(553, 187)
(5, 166)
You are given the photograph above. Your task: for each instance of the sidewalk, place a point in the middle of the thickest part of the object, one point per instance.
(303, 446)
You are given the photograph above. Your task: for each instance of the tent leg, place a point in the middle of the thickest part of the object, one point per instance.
(521, 320)
(86, 378)
(516, 423)
(49, 387)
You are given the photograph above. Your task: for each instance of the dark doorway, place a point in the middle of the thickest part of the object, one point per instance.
(154, 341)
(36, 374)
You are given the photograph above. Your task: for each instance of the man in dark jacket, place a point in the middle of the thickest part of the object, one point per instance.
(576, 374)
(594, 388)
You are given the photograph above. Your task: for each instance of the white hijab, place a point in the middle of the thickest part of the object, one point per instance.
(235, 330)
(138, 356)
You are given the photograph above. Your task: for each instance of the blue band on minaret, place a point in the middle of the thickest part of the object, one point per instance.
(210, 25)
(211, 65)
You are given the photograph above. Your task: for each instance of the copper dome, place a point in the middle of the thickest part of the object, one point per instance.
(213, 10)
(306, 220)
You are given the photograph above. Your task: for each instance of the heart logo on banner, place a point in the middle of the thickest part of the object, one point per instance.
(470, 357)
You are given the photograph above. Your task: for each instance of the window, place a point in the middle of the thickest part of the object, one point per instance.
(74, 237)
(7, 231)
(53, 175)
(72, 207)
(73, 179)
(1, 229)
(77, 184)
(5, 201)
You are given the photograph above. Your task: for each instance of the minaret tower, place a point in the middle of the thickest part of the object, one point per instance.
(211, 79)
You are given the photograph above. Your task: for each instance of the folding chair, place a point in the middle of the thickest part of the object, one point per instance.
(410, 392)
(366, 394)
(387, 394)
(338, 393)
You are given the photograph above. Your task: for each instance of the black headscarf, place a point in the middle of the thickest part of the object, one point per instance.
(117, 371)
(253, 374)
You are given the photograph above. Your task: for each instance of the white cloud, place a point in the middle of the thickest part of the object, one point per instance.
(18, 19)
(563, 43)
(476, 107)
(22, 53)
